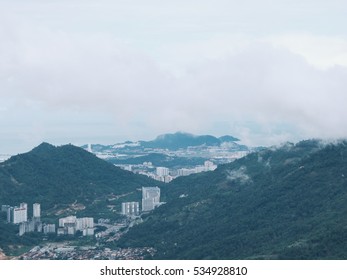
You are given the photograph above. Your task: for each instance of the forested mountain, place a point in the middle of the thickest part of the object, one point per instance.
(288, 202)
(173, 142)
(173, 150)
(184, 140)
(65, 180)
(62, 175)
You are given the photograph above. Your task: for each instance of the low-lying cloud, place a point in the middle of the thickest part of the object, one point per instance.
(263, 93)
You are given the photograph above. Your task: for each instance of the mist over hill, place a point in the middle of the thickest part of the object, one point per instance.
(173, 150)
(173, 142)
(279, 203)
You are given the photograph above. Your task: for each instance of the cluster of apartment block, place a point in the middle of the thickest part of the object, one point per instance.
(16, 214)
(71, 224)
(19, 215)
(165, 174)
(208, 166)
(150, 200)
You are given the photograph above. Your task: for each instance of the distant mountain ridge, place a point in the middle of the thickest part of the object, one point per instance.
(184, 140)
(173, 141)
(173, 150)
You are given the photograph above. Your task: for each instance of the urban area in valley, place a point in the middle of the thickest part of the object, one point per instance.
(75, 236)
(104, 230)
(163, 162)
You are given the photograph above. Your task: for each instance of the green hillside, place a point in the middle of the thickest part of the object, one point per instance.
(183, 140)
(284, 203)
(288, 202)
(65, 180)
(63, 175)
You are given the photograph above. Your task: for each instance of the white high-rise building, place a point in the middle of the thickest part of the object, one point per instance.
(36, 210)
(21, 229)
(17, 215)
(67, 220)
(199, 169)
(150, 198)
(88, 232)
(24, 207)
(49, 228)
(185, 172)
(82, 223)
(162, 171)
(209, 166)
(9, 211)
(89, 149)
(71, 230)
(131, 208)
(4, 208)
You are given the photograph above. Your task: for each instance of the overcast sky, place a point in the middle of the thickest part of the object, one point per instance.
(106, 71)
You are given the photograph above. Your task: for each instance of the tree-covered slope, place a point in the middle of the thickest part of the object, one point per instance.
(289, 202)
(62, 175)
(183, 140)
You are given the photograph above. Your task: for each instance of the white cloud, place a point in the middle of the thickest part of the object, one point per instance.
(321, 51)
(268, 87)
(68, 71)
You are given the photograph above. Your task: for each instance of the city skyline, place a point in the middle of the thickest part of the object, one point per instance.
(109, 71)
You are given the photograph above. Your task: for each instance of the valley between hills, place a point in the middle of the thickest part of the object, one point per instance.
(285, 202)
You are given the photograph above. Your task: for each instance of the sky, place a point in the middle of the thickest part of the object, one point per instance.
(107, 71)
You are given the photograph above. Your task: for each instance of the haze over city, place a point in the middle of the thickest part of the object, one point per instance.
(108, 71)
